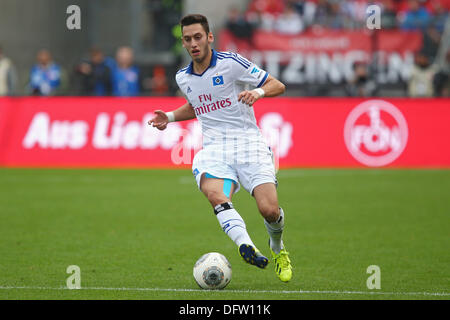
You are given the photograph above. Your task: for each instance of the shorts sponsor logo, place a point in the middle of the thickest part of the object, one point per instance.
(375, 133)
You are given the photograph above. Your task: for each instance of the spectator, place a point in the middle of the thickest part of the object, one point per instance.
(95, 75)
(431, 42)
(416, 17)
(45, 75)
(421, 82)
(328, 14)
(158, 83)
(335, 19)
(273, 7)
(307, 9)
(361, 85)
(126, 80)
(264, 12)
(441, 81)
(289, 22)
(8, 77)
(433, 31)
(238, 25)
(321, 12)
(351, 13)
(388, 15)
(440, 15)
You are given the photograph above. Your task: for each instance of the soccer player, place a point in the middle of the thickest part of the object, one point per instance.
(234, 152)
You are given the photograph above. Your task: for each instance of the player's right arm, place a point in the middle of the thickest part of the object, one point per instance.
(161, 119)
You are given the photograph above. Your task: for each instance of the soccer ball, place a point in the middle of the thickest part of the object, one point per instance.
(212, 271)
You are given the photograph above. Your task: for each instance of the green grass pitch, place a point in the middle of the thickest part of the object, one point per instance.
(136, 234)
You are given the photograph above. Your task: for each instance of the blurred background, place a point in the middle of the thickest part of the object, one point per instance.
(317, 47)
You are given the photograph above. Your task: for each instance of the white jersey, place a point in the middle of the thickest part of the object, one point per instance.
(214, 97)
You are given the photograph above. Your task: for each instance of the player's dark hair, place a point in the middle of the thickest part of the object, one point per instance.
(193, 19)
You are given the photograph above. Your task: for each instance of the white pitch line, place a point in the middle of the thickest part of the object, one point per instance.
(444, 294)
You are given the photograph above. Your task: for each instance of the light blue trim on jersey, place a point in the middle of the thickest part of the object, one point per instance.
(227, 183)
(190, 68)
(207, 175)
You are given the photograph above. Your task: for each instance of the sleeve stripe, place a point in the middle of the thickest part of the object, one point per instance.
(245, 66)
(263, 79)
(236, 56)
(182, 70)
(230, 55)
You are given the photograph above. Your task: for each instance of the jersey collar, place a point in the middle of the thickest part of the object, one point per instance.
(213, 62)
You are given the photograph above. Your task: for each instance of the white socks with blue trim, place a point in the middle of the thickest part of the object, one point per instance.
(232, 223)
(234, 226)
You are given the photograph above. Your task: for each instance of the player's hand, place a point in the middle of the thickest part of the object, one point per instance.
(248, 97)
(160, 120)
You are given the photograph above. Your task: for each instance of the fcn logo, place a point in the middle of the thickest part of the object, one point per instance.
(375, 133)
(373, 17)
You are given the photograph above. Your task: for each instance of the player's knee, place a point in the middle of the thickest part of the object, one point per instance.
(216, 197)
(270, 212)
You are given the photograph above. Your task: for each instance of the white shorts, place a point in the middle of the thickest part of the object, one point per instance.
(246, 168)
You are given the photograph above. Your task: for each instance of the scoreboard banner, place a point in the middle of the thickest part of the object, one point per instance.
(318, 132)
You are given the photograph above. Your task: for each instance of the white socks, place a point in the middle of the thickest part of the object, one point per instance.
(275, 230)
(232, 223)
(234, 226)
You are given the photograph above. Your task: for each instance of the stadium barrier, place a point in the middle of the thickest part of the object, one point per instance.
(318, 132)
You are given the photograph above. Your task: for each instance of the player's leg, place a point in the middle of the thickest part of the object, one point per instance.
(217, 190)
(267, 201)
(258, 178)
(219, 193)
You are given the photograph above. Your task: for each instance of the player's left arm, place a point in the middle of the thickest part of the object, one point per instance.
(272, 87)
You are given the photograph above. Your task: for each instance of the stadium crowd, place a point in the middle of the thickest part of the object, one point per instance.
(100, 75)
(295, 16)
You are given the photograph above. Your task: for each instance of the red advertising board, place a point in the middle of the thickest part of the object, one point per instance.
(323, 132)
(325, 40)
(327, 56)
